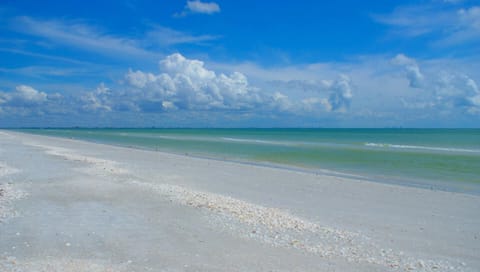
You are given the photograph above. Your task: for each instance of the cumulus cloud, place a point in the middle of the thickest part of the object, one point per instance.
(23, 96)
(445, 89)
(411, 68)
(25, 100)
(97, 100)
(281, 102)
(29, 94)
(176, 64)
(340, 94)
(197, 6)
(312, 103)
(186, 88)
(312, 95)
(186, 84)
(457, 90)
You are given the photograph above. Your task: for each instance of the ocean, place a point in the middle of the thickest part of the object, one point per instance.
(437, 159)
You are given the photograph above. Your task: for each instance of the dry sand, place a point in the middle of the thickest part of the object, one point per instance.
(69, 205)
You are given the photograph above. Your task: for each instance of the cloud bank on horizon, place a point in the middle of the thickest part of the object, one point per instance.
(193, 71)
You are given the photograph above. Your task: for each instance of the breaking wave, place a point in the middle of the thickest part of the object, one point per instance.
(419, 147)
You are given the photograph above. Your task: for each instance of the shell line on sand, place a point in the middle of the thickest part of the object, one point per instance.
(280, 228)
(6, 170)
(8, 193)
(48, 264)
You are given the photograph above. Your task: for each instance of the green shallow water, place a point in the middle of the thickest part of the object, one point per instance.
(433, 158)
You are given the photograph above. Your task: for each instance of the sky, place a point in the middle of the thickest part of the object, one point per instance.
(226, 63)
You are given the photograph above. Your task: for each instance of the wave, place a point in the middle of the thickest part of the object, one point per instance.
(307, 144)
(419, 147)
(255, 141)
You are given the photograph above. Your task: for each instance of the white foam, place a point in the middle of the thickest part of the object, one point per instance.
(255, 141)
(6, 134)
(447, 149)
(99, 164)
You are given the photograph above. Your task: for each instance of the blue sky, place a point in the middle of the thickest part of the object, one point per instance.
(240, 63)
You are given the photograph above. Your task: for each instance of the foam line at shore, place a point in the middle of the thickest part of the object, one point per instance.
(430, 148)
(71, 155)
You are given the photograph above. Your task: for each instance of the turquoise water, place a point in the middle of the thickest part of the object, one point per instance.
(433, 158)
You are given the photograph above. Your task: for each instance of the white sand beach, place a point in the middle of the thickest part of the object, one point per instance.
(68, 205)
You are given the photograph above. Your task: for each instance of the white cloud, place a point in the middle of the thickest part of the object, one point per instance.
(97, 100)
(27, 93)
(456, 90)
(412, 70)
(312, 103)
(186, 84)
(89, 38)
(445, 87)
(81, 36)
(25, 100)
(198, 6)
(176, 64)
(164, 36)
(442, 85)
(23, 96)
(314, 95)
(49, 71)
(467, 27)
(43, 56)
(301, 72)
(281, 102)
(139, 79)
(340, 94)
(452, 25)
(415, 20)
(368, 88)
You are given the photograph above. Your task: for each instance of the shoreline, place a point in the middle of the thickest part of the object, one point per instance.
(84, 200)
(426, 184)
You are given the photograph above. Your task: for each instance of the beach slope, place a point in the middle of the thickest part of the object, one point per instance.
(68, 205)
